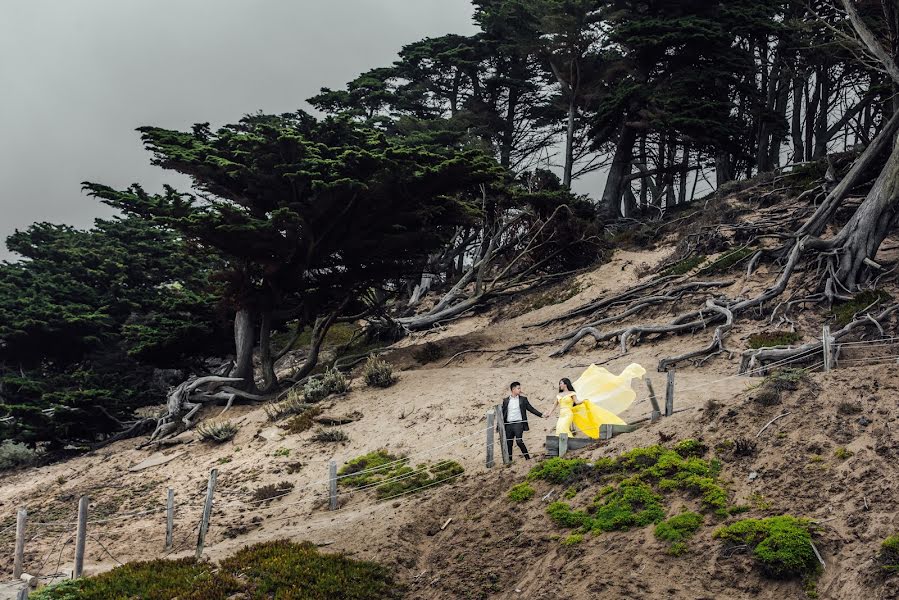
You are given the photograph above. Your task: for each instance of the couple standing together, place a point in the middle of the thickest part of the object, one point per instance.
(603, 396)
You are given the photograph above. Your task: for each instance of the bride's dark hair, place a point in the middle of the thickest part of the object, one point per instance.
(567, 383)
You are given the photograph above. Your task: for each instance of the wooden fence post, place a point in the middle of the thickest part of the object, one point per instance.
(169, 519)
(332, 484)
(18, 562)
(491, 423)
(81, 537)
(669, 394)
(501, 424)
(825, 346)
(656, 411)
(563, 444)
(23, 593)
(207, 512)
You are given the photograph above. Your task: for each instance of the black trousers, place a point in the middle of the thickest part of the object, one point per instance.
(514, 433)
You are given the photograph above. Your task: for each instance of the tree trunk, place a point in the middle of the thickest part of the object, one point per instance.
(723, 170)
(796, 121)
(266, 358)
(811, 111)
(569, 144)
(780, 109)
(861, 237)
(822, 122)
(644, 181)
(618, 172)
(684, 169)
(244, 340)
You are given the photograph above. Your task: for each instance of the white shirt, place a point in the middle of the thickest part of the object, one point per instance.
(513, 412)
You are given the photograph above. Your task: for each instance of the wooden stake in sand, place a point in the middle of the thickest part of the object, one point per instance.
(501, 425)
(332, 484)
(491, 423)
(169, 518)
(207, 512)
(669, 394)
(81, 537)
(21, 519)
(563, 444)
(656, 411)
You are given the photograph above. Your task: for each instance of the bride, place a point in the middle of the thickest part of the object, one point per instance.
(603, 396)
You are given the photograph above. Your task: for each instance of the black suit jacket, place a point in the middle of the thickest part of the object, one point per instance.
(525, 407)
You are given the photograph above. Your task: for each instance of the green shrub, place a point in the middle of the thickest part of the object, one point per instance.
(428, 353)
(573, 540)
(13, 455)
(690, 447)
(335, 382)
(844, 312)
(217, 432)
(684, 266)
(559, 470)
(185, 579)
(787, 378)
(781, 545)
(378, 373)
(767, 339)
(521, 492)
(390, 475)
(631, 505)
(314, 390)
(842, 453)
(283, 569)
(564, 516)
(294, 404)
(677, 530)
(303, 421)
(277, 569)
(330, 436)
(889, 554)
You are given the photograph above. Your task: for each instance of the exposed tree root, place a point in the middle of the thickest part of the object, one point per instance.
(753, 360)
(715, 347)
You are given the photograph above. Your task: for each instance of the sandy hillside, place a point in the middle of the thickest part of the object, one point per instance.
(436, 412)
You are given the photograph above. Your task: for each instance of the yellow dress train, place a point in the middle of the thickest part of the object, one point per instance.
(601, 395)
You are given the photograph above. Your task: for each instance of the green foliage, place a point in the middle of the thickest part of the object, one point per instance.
(564, 516)
(842, 453)
(767, 339)
(679, 528)
(573, 540)
(684, 266)
(314, 390)
(781, 545)
(521, 492)
(391, 475)
(378, 373)
(294, 404)
(889, 554)
(559, 470)
(335, 382)
(630, 505)
(845, 312)
(14, 455)
(267, 570)
(217, 431)
(272, 491)
(690, 447)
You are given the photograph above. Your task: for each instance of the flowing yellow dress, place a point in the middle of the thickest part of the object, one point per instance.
(602, 396)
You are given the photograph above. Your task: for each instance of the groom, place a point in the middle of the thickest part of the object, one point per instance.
(515, 417)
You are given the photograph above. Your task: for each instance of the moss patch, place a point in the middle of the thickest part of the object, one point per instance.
(889, 554)
(685, 266)
(259, 571)
(677, 530)
(781, 545)
(559, 470)
(727, 261)
(767, 339)
(521, 492)
(392, 476)
(845, 312)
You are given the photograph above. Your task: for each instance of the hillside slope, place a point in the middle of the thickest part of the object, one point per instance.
(492, 548)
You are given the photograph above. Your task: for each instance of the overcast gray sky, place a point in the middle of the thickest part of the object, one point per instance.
(78, 76)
